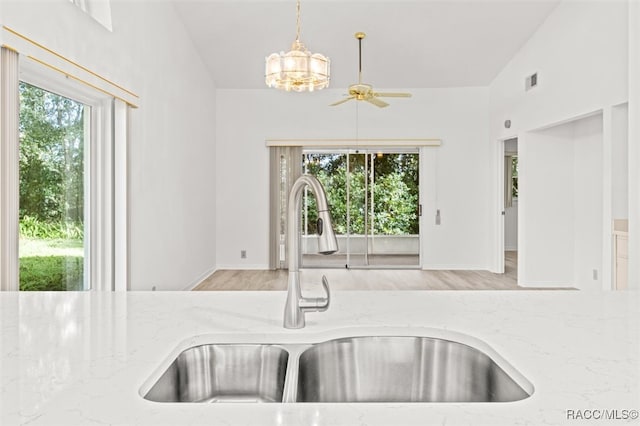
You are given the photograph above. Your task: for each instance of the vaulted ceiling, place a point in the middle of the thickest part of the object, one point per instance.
(409, 44)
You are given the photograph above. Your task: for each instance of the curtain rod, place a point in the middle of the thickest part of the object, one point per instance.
(86, 83)
(355, 142)
(64, 58)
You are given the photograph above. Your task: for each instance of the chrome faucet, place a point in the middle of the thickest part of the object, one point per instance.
(297, 305)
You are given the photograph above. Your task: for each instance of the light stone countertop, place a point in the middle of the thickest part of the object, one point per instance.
(82, 358)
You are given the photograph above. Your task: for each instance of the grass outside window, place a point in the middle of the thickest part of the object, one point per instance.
(50, 264)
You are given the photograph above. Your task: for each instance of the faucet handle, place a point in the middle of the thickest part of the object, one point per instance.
(325, 285)
(317, 304)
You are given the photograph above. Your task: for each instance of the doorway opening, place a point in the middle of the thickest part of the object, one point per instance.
(374, 197)
(510, 211)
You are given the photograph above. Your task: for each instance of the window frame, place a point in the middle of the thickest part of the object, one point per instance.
(90, 139)
(106, 199)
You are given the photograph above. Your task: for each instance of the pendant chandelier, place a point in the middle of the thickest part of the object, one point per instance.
(298, 70)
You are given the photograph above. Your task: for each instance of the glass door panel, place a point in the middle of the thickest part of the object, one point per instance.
(374, 202)
(358, 183)
(394, 234)
(52, 190)
(331, 170)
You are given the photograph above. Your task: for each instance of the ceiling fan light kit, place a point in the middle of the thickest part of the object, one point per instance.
(365, 92)
(298, 70)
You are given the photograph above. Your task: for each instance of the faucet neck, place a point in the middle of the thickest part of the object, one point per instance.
(293, 215)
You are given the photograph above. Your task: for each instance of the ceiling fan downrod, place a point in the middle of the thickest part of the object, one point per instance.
(360, 35)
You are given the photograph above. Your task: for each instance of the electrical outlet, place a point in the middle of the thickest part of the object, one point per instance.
(243, 254)
(595, 274)
(531, 81)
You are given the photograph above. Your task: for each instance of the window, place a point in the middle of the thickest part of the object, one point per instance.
(64, 209)
(510, 179)
(52, 194)
(514, 177)
(100, 10)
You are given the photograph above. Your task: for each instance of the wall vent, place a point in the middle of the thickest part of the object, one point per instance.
(531, 81)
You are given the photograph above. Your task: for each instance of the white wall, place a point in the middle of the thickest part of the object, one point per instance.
(511, 227)
(588, 202)
(634, 145)
(620, 160)
(546, 207)
(581, 55)
(462, 176)
(562, 205)
(172, 134)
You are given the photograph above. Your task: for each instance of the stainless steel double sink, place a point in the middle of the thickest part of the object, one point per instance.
(383, 369)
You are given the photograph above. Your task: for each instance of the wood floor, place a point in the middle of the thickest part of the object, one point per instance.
(369, 279)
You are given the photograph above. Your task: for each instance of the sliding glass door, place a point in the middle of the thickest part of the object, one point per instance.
(374, 201)
(52, 152)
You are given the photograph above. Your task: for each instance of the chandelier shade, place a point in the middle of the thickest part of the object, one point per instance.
(298, 70)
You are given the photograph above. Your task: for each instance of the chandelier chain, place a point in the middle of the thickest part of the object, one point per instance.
(298, 21)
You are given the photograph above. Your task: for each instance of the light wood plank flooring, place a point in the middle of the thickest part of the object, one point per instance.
(369, 279)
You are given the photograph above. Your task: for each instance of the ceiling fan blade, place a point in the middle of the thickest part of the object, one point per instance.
(392, 95)
(343, 101)
(377, 102)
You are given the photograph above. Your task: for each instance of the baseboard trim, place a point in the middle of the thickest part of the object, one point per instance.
(454, 268)
(255, 267)
(200, 278)
(548, 284)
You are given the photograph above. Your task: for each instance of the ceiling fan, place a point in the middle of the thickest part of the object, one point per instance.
(364, 92)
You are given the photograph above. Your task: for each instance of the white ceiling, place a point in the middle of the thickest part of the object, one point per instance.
(409, 44)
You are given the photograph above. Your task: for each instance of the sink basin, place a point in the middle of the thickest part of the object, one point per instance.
(401, 369)
(391, 368)
(224, 373)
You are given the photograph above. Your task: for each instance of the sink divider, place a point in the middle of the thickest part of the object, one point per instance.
(290, 392)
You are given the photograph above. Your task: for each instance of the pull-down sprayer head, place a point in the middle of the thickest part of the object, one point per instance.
(327, 242)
